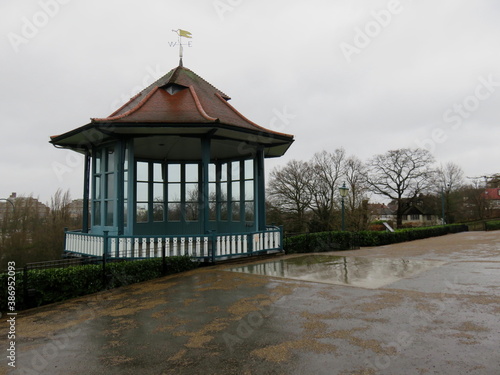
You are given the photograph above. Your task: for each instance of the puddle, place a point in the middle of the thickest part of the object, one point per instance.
(362, 272)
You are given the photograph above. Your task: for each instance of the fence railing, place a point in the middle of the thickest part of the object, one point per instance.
(207, 247)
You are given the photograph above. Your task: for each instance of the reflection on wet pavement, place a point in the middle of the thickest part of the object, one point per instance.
(362, 272)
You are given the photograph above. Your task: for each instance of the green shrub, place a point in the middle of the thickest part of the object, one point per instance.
(332, 241)
(59, 284)
(493, 225)
(320, 242)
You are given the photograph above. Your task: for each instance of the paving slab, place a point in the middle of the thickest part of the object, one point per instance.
(441, 319)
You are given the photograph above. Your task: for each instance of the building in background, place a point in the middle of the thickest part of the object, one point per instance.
(33, 205)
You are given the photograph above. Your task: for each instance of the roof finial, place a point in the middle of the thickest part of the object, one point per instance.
(185, 34)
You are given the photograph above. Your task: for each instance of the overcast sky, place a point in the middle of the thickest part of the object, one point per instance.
(366, 75)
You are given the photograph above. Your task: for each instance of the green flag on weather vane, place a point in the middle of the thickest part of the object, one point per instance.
(182, 34)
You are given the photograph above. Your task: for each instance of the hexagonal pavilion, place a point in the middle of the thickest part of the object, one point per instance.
(178, 170)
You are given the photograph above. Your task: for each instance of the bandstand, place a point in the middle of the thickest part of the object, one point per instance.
(176, 170)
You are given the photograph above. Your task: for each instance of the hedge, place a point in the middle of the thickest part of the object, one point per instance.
(492, 225)
(332, 241)
(59, 284)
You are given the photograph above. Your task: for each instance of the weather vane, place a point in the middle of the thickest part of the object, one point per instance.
(181, 34)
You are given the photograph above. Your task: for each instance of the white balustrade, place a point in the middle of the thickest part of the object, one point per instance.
(183, 246)
(225, 245)
(175, 247)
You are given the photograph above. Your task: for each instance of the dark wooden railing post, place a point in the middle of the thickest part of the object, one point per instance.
(64, 242)
(104, 258)
(282, 245)
(214, 245)
(25, 287)
(250, 243)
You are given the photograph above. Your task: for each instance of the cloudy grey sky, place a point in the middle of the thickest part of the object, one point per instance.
(366, 75)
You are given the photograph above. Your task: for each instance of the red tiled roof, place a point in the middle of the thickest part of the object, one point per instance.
(197, 101)
(492, 193)
(179, 103)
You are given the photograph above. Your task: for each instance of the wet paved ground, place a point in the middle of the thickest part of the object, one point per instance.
(439, 316)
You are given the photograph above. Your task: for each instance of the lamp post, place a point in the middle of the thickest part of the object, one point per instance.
(442, 206)
(8, 200)
(444, 195)
(13, 209)
(343, 193)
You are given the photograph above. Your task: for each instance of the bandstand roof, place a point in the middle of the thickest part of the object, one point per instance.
(168, 118)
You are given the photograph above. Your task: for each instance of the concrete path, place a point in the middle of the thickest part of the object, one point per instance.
(442, 320)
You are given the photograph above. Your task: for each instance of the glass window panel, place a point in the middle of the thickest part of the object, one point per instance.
(223, 172)
(191, 211)
(97, 187)
(191, 192)
(212, 215)
(248, 169)
(174, 212)
(235, 172)
(249, 211)
(174, 192)
(97, 213)
(109, 212)
(249, 190)
(235, 191)
(142, 192)
(174, 173)
(125, 213)
(110, 160)
(142, 171)
(223, 211)
(157, 172)
(158, 192)
(212, 192)
(212, 176)
(125, 185)
(236, 211)
(98, 161)
(158, 211)
(142, 212)
(223, 192)
(110, 185)
(191, 172)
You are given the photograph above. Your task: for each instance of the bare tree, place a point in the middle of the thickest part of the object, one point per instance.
(59, 206)
(289, 190)
(34, 232)
(450, 180)
(401, 174)
(475, 205)
(355, 177)
(450, 177)
(310, 191)
(327, 169)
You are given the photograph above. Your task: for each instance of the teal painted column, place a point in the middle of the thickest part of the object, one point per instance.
(205, 204)
(260, 197)
(242, 194)
(86, 192)
(131, 196)
(120, 188)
